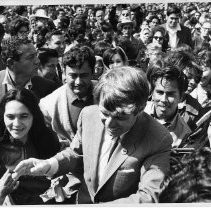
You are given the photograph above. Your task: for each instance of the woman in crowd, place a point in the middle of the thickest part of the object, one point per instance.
(25, 135)
(114, 57)
(157, 37)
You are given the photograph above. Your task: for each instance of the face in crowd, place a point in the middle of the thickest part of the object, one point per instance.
(28, 63)
(166, 96)
(79, 79)
(173, 20)
(118, 122)
(57, 43)
(18, 120)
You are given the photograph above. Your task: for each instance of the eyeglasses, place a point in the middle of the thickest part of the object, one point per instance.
(158, 38)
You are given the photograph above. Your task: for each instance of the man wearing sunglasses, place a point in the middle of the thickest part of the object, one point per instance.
(176, 32)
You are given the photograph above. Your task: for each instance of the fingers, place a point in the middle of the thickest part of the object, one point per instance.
(23, 164)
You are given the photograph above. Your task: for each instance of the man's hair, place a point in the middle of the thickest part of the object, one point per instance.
(16, 24)
(168, 72)
(49, 35)
(44, 54)
(122, 86)
(192, 180)
(11, 48)
(20, 9)
(77, 56)
(173, 9)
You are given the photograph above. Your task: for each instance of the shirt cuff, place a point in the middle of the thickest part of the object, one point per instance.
(54, 166)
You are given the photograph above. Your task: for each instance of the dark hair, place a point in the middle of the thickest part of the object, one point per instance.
(191, 182)
(173, 9)
(44, 54)
(163, 32)
(100, 47)
(168, 72)
(44, 141)
(76, 57)
(179, 58)
(154, 17)
(109, 53)
(16, 24)
(20, 9)
(122, 86)
(10, 48)
(49, 35)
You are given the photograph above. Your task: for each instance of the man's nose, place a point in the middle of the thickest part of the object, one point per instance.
(110, 121)
(78, 80)
(164, 98)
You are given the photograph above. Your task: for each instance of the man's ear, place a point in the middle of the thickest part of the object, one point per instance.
(10, 63)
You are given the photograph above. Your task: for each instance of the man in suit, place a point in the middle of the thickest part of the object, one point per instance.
(177, 34)
(55, 40)
(22, 63)
(120, 153)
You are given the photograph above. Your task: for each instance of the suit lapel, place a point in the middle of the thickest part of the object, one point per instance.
(97, 138)
(124, 149)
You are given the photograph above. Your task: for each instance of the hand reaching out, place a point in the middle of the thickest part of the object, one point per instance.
(31, 166)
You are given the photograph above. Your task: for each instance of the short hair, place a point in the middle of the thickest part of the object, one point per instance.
(39, 133)
(16, 24)
(44, 54)
(168, 72)
(76, 57)
(173, 9)
(109, 53)
(10, 48)
(49, 35)
(192, 180)
(20, 9)
(101, 47)
(122, 86)
(154, 17)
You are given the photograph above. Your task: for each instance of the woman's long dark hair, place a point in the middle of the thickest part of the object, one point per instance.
(45, 141)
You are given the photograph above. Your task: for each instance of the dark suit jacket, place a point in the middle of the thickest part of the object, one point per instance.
(40, 86)
(135, 170)
(184, 36)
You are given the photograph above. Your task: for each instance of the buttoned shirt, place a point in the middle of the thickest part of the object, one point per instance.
(9, 84)
(173, 39)
(177, 126)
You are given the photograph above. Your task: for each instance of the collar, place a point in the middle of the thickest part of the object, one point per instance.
(151, 111)
(10, 83)
(174, 30)
(72, 97)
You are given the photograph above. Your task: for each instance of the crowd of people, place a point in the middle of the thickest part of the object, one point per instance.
(105, 104)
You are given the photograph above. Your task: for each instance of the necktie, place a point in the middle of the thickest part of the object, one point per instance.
(116, 141)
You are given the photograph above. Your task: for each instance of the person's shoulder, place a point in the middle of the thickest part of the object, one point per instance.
(38, 79)
(55, 95)
(184, 28)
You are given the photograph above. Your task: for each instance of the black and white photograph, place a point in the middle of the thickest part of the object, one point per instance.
(105, 103)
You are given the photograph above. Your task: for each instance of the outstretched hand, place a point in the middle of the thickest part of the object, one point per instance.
(31, 166)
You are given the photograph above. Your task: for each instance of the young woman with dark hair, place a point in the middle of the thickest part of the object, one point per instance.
(24, 135)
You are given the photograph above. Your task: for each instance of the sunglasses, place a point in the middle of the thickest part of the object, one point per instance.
(158, 37)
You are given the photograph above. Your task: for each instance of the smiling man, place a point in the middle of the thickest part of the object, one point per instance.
(177, 34)
(61, 108)
(168, 85)
(120, 153)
